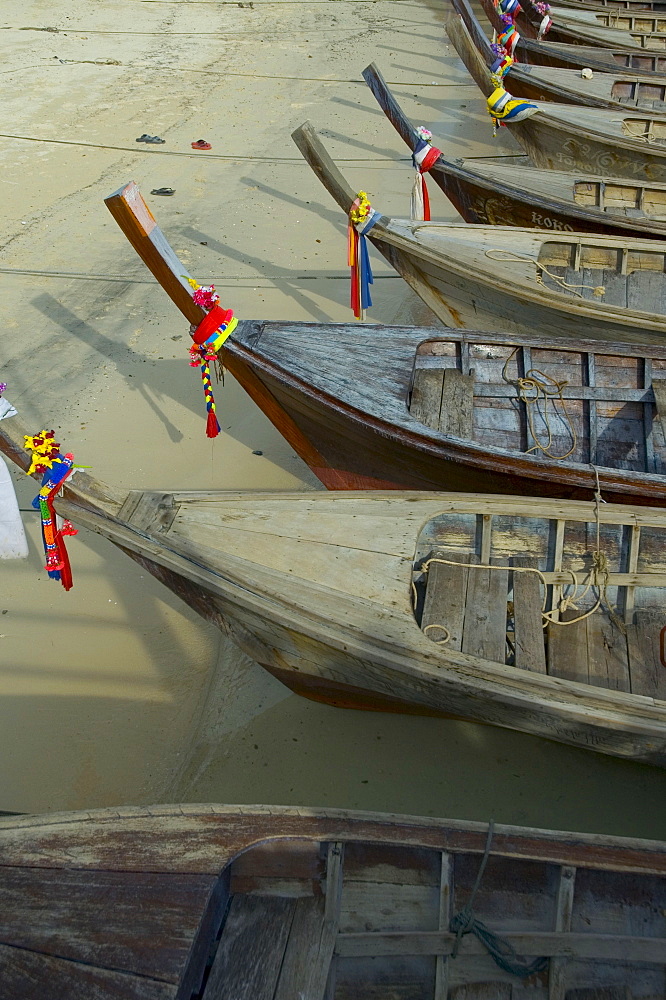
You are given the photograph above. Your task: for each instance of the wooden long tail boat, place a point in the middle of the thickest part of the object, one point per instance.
(517, 279)
(546, 615)
(611, 29)
(657, 5)
(513, 192)
(568, 137)
(567, 86)
(643, 63)
(390, 426)
(214, 902)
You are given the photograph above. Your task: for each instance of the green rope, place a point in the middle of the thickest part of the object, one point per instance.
(503, 954)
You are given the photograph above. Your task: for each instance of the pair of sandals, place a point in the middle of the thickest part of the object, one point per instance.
(151, 138)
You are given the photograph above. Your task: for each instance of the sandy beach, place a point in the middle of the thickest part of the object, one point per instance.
(116, 692)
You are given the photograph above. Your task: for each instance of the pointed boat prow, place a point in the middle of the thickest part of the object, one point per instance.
(314, 152)
(137, 222)
(462, 42)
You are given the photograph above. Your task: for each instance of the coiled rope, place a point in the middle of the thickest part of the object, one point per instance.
(597, 580)
(534, 386)
(541, 269)
(465, 922)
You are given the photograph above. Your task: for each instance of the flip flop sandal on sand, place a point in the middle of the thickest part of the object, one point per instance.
(201, 144)
(142, 138)
(154, 138)
(163, 191)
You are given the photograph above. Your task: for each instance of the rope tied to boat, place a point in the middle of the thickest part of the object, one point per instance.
(465, 921)
(511, 255)
(649, 136)
(424, 158)
(362, 217)
(597, 580)
(535, 386)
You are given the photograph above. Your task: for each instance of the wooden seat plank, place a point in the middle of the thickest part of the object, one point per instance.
(25, 975)
(249, 957)
(302, 955)
(426, 401)
(599, 993)
(446, 592)
(528, 622)
(482, 991)
(457, 408)
(567, 649)
(484, 628)
(141, 923)
(608, 658)
(646, 671)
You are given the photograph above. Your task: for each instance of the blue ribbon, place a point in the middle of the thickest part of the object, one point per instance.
(366, 277)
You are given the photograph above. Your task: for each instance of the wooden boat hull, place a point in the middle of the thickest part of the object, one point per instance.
(362, 444)
(344, 670)
(318, 589)
(560, 54)
(567, 86)
(168, 902)
(483, 195)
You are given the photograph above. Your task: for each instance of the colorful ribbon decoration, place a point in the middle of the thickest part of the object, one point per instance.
(546, 23)
(47, 459)
(208, 337)
(505, 109)
(362, 218)
(501, 65)
(424, 158)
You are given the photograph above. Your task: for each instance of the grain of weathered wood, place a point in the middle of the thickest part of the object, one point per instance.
(143, 923)
(446, 910)
(600, 993)
(250, 954)
(426, 400)
(484, 628)
(446, 597)
(608, 660)
(528, 621)
(567, 649)
(557, 967)
(457, 411)
(647, 672)
(26, 975)
(302, 954)
(482, 991)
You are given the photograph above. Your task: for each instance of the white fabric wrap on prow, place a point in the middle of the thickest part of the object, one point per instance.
(13, 544)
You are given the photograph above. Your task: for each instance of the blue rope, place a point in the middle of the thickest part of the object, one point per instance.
(503, 954)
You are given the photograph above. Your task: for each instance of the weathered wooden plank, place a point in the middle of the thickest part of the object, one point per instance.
(30, 976)
(528, 622)
(567, 649)
(607, 655)
(584, 946)
(150, 511)
(600, 993)
(251, 950)
(456, 415)
(482, 991)
(647, 673)
(593, 419)
(563, 910)
(321, 972)
(484, 628)
(426, 400)
(444, 918)
(302, 952)
(142, 923)
(445, 598)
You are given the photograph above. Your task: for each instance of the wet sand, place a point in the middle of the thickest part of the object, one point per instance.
(115, 692)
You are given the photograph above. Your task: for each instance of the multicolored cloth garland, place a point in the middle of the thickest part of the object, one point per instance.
(505, 109)
(424, 158)
(362, 218)
(208, 337)
(546, 23)
(502, 64)
(56, 468)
